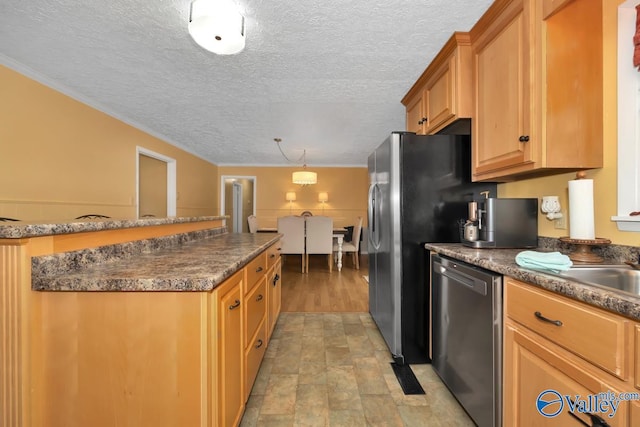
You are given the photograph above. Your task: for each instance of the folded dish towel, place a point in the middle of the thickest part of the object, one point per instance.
(551, 261)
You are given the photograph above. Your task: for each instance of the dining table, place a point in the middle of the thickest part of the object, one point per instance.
(338, 235)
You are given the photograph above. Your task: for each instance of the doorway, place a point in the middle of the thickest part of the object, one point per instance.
(237, 201)
(156, 184)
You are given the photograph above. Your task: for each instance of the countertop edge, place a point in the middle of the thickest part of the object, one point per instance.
(19, 230)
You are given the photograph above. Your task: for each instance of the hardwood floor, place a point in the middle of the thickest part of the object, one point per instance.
(322, 292)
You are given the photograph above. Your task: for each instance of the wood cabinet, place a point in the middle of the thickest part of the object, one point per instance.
(442, 93)
(555, 343)
(227, 351)
(537, 88)
(163, 359)
(536, 366)
(275, 297)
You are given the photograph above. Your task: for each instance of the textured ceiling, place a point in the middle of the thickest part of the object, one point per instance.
(325, 76)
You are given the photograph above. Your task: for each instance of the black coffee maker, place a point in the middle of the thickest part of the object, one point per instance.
(502, 223)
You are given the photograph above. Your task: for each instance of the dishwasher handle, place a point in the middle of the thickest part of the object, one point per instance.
(472, 283)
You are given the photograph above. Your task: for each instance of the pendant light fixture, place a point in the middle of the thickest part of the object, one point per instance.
(304, 177)
(217, 26)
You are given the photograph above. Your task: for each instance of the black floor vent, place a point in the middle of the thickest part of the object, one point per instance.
(407, 379)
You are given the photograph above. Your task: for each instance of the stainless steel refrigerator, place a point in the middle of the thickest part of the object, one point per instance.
(419, 187)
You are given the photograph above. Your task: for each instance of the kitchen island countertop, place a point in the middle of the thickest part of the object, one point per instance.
(503, 261)
(199, 265)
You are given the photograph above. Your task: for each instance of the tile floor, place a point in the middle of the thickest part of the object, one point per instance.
(332, 369)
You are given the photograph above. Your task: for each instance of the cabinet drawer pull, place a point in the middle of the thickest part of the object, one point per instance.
(235, 305)
(272, 256)
(259, 269)
(259, 344)
(275, 279)
(595, 420)
(524, 138)
(544, 319)
(259, 297)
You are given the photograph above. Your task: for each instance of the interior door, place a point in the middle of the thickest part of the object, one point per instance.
(237, 208)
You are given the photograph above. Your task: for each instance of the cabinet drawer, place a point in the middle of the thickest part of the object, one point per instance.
(253, 356)
(255, 308)
(595, 335)
(256, 269)
(273, 254)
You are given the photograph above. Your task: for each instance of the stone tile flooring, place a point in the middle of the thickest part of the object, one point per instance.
(332, 369)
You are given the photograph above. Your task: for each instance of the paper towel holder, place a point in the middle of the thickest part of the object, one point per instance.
(583, 253)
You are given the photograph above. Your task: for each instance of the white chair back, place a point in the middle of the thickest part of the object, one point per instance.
(292, 228)
(252, 221)
(357, 230)
(319, 235)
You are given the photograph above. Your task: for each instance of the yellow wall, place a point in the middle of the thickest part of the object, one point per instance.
(347, 188)
(60, 159)
(605, 179)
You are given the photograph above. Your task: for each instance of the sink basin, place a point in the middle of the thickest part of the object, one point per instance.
(620, 277)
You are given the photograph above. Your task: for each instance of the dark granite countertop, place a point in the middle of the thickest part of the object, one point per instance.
(17, 230)
(198, 265)
(503, 261)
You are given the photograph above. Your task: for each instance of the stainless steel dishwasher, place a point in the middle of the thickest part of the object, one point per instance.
(467, 336)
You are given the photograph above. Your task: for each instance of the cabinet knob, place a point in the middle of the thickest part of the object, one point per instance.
(235, 305)
(259, 269)
(259, 297)
(524, 138)
(259, 343)
(422, 120)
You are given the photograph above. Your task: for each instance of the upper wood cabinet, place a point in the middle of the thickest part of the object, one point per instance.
(442, 93)
(537, 88)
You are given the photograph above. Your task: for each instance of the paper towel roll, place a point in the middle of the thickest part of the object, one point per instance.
(581, 222)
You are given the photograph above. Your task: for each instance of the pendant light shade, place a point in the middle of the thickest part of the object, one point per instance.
(217, 26)
(305, 177)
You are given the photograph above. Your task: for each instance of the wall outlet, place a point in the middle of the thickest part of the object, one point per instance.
(561, 223)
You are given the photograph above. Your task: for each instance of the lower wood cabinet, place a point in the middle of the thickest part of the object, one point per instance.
(561, 351)
(161, 359)
(535, 366)
(227, 352)
(275, 296)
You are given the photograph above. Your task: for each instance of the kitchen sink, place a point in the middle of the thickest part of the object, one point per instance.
(620, 277)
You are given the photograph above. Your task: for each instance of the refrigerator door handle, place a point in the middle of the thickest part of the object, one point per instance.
(374, 239)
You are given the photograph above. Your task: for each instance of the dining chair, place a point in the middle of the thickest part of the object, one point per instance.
(292, 230)
(319, 231)
(7, 219)
(252, 221)
(92, 216)
(353, 247)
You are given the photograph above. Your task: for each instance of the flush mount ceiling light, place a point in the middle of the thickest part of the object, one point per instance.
(217, 26)
(303, 177)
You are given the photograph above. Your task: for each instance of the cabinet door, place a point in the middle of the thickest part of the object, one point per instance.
(439, 95)
(501, 89)
(275, 297)
(230, 352)
(534, 368)
(415, 115)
